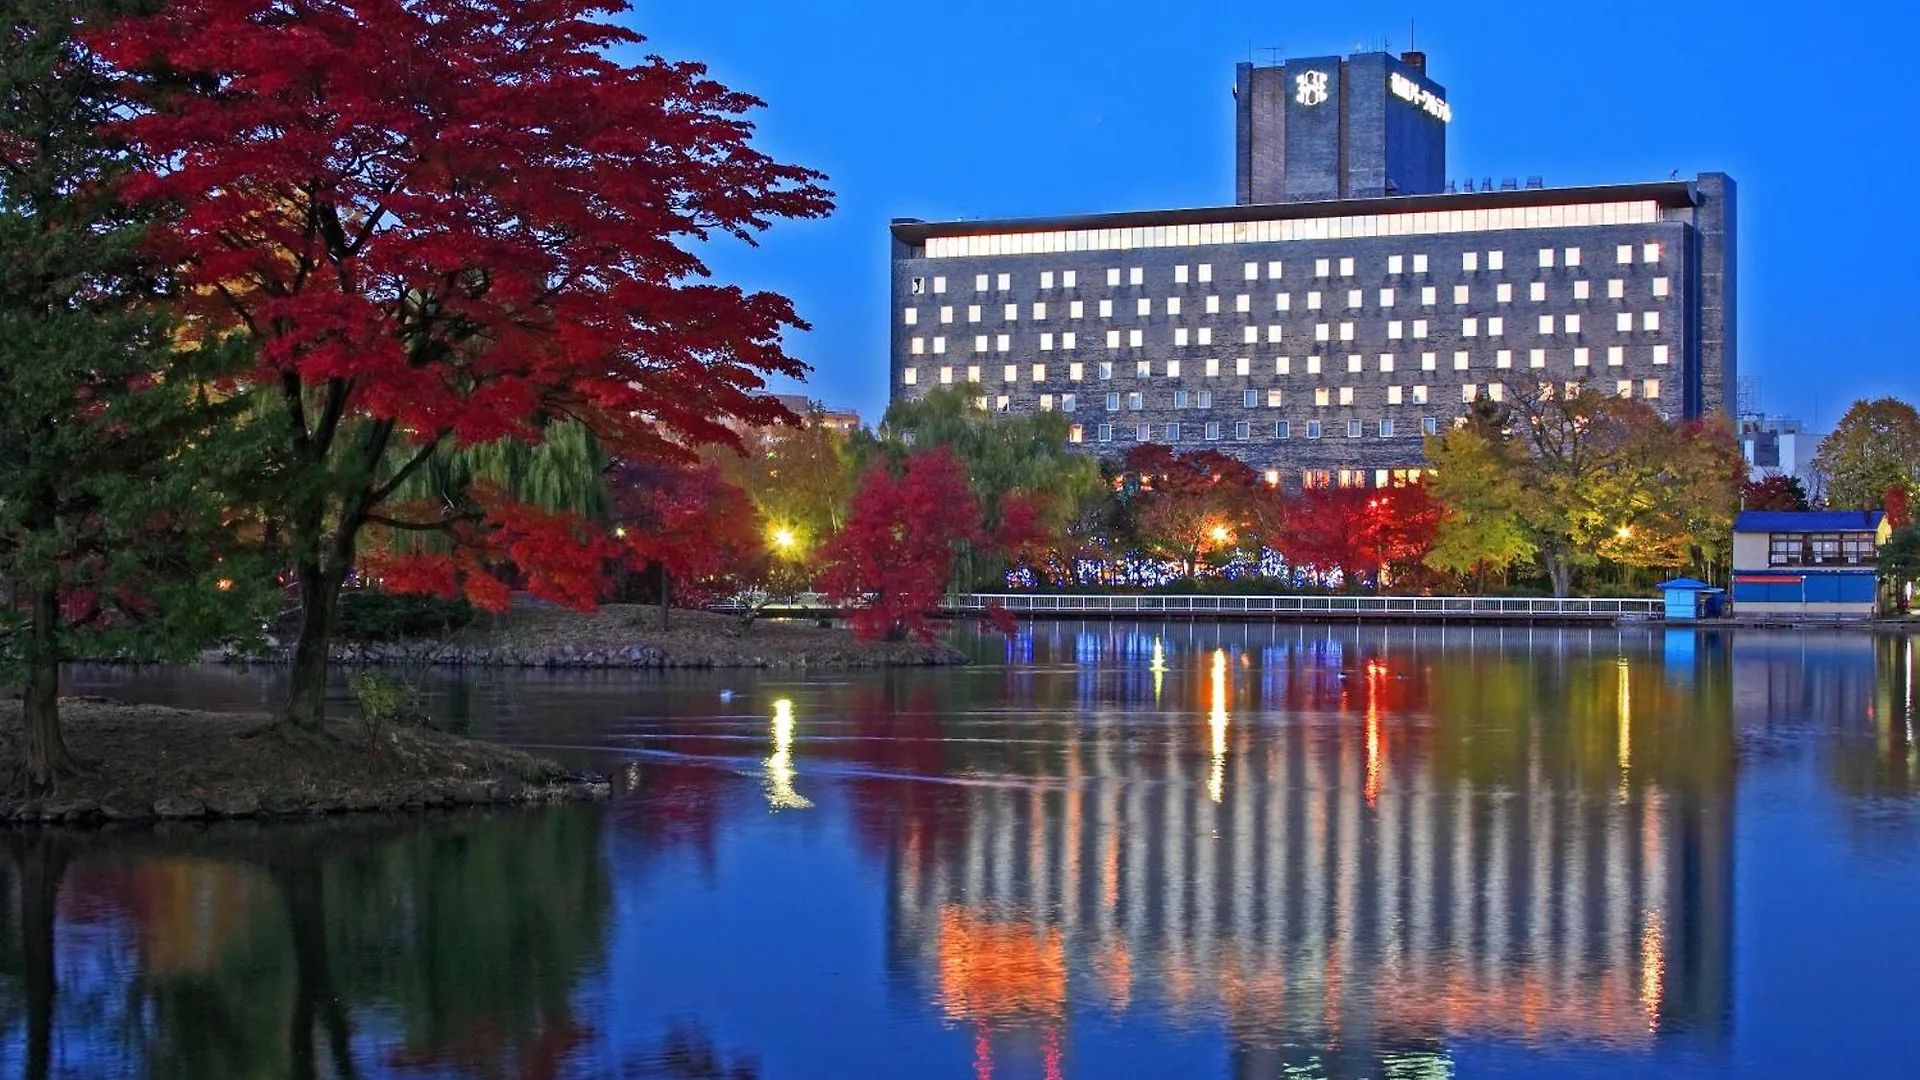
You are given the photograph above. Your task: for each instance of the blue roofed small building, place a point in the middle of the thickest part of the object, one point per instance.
(1822, 564)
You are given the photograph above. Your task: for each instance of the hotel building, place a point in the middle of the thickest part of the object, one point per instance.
(1349, 305)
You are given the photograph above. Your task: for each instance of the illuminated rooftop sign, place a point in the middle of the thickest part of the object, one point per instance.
(1414, 94)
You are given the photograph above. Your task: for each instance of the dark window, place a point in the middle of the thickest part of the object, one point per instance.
(1822, 549)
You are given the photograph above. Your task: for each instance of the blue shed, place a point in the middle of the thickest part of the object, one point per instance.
(1688, 599)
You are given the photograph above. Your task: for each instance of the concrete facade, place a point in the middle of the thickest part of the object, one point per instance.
(1365, 323)
(1324, 127)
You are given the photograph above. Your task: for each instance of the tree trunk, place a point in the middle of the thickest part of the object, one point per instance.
(47, 756)
(666, 596)
(1559, 574)
(306, 703)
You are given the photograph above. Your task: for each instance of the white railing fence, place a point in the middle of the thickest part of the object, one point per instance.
(1360, 607)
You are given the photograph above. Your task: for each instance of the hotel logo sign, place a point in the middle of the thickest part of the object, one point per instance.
(1420, 97)
(1310, 87)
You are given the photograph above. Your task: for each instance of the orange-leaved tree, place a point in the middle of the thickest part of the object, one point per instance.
(445, 225)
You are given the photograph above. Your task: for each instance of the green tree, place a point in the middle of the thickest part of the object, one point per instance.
(1669, 491)
(117, 502)
(799, 480)
(1900, 563)
(1482, 531)
(1874, 448)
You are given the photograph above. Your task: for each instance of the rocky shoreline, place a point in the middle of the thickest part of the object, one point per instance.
(622, 636)
(146, 763)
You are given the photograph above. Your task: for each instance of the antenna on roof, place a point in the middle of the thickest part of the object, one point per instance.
(1410, 47)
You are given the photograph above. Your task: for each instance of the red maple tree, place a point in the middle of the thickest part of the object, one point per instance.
(1361, 533)
(1187, 505)
(894, 557)
(1775, 491)
(447, 224)
(692, 527)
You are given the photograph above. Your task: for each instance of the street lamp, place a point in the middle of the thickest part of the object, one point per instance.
(1220, 534)
(782, 539)
(1626, 532)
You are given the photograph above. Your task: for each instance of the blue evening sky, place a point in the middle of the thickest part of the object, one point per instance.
(1024, 107)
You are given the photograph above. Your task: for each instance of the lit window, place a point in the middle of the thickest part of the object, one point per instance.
(1469, 392)
(1429, 361)
(1624, 388)
(1346, 395)
(910, 376)
(1251, 272)
(1046, 341)
(1546, 324)
(1313, 300)
(980, 283)
(1354, 364)
(1067, 340)
(1537, 358)
(1003, 403)
(1243, 366)
(1249, 335)
(1002, 343)
(1069, 279)
(1419, 328)
(1496, 260)
(1546, 258)
(980, 343)
(1650, 253)
(1012, 373)
(1273, 271)
(1571, 324)
(1386, 361)
(1395, 264)
(1005, 282)
(1580, 356)
(1275, 332)
(1346, 267)
(1322, 267)
(1046, 402)
(1283, 365)
(1650, 320)
(1420, 395)
(1143, 307)
(1179, 337)
(1623, 321)
(1393, 395)
(1650, 389)
(1503, 358)
(910, 316)
(1322, 332)
(1461, 360)
(1206, 273)
(1624, 254)
(1470, 327)
(917, 346)
(1659, 354)
(1429, 295)
(1503, 293)
(1582, 289)
(1616, 288)
(946, 376)
(1497, 391)
(1346, 331)
(1213, 369)
(1322, 397)
(1136, 338)
(1616, 355)
(1113, 339)
(1076, 309)
(1074, 372)
(1355, 299)
(1173, 369)
(1386, 298)
(1039, 373)
(973, 373)
(1206, 335)
(973, 313)
(1113, 277)
(1537, 291)
(1046, 279)
(1660, 286)
(1496, 326)
(1274, 399)
(1470, 261)
(1039, 311)
(1136, 276)
(939, 285)
(1572, 256)
(1106, 309)
(918, 287)
(1180, 275)
(1313, 365)
(1460, 294)
(1393, 330)
(1419, 264)
(1213, 305)
(1074, 434)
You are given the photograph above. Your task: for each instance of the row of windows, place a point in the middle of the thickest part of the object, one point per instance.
(1345, 227)
(1624, 322)
(1314, 300)
(1462, 360)
(1823, 549)
(1244, 431)
(1324, 397)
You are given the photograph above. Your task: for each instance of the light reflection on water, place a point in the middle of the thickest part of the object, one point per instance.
(1152, 850)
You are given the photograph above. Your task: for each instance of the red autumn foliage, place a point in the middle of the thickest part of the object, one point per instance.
(895, 555)
(1358, 532)
(562, 556)
(1775, 492)
(1899, 511)
(691, 524)
(1187, 503)
(446, 224)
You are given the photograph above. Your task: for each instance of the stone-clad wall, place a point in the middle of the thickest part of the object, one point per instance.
(1679, 329)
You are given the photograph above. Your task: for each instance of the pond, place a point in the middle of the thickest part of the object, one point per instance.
(1106, 850)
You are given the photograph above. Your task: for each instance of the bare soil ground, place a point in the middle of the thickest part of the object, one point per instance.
(147, 761)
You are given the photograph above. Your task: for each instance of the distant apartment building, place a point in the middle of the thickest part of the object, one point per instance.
(1346, 308)
(1778, 445)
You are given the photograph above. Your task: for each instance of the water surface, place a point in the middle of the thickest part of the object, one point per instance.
(1108, 850)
